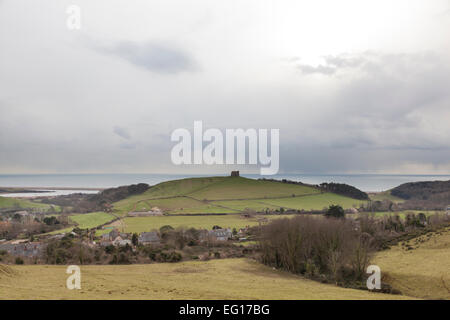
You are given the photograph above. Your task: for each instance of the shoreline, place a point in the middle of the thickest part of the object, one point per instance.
(27, 189)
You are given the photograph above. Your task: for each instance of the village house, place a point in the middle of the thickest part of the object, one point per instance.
(115, 238)
(243, 231)
(146, 238)
(216, 235)
(119, 242)
(221, 234)
(24, 249)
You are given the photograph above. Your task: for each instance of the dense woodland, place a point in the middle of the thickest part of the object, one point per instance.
(433, 195)
(344, 190)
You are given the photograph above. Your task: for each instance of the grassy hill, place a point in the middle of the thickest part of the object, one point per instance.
(214, 195)
(6, 202)
(229, 195)
(221, 195)
(215, 279)
(423, 190)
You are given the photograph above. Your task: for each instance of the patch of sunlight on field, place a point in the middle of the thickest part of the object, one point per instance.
(422, 272)
(215, 279)
(314, 202)
(142, 224)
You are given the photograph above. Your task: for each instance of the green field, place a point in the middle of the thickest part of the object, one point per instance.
(142, 224)
(241, 188)
(91, 220)
(21, 203)
(187, 205)
(386, 195)
(215, 279)
(242, 205)
(87, 221)
(229, 195)
(315, 202)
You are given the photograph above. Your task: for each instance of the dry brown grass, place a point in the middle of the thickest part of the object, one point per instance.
(419, 267)
(215, 279)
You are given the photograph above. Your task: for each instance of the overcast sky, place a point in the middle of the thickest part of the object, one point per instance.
(354, 86)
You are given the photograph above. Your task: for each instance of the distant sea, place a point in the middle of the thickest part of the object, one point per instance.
(365, 182)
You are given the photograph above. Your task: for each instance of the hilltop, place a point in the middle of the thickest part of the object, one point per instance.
(231, 195)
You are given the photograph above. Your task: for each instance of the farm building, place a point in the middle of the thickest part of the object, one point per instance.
(216, 235)
(221, 234)
(153, 212)
(149, 238)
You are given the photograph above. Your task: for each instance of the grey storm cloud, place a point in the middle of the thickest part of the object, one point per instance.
(153, 56)
(122, 132)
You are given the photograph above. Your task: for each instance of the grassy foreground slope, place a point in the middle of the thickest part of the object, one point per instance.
(419, 267)
(215, 279)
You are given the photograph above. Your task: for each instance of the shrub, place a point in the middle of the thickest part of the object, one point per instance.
(19, 260)
(335, 211)
(135, 239)
(110, 249)
(165, 229)
(171, 256)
